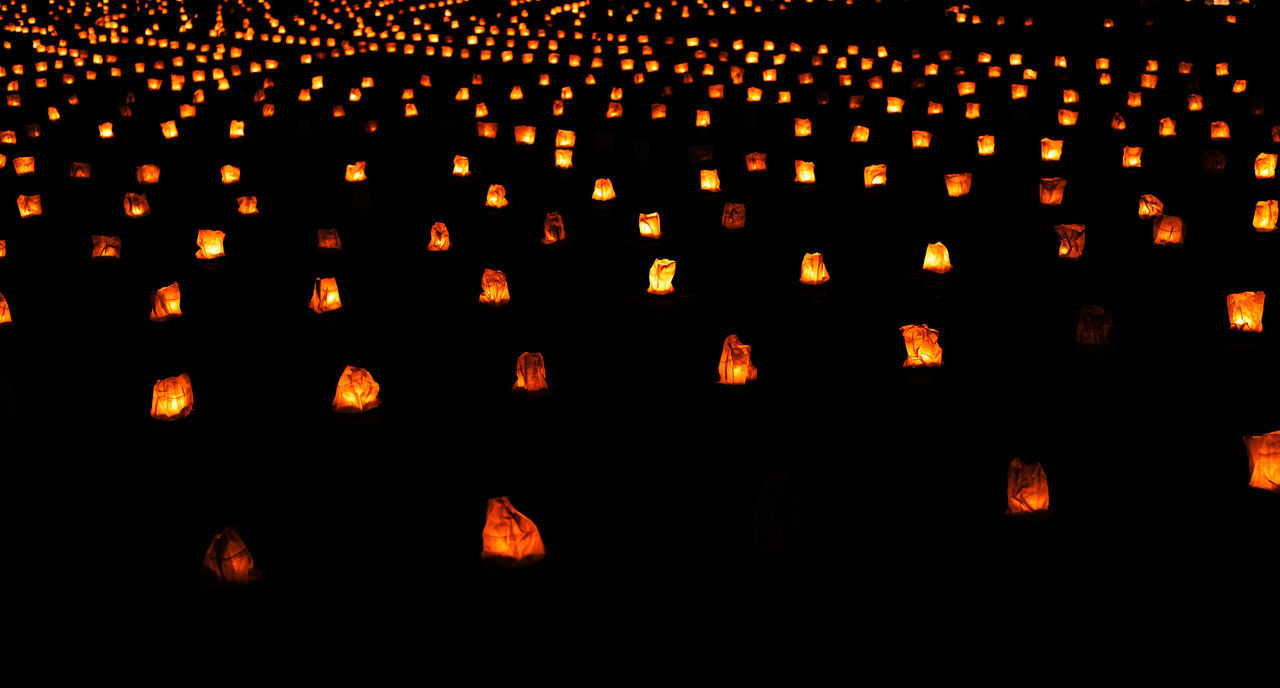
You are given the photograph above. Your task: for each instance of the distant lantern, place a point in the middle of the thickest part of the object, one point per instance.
(937, 259)
(1017, 91)
(1028, 489)
(509, 538)
(324, 295)
(1093, 327)
(531, 374)
(734, 216)
(209, 242)
(30, 206)
(813, 270)
(24, 165)
(237, 129)
(1167, 230)
(875, 175)
(986, 145)
(1195, 102)
(803, 127)
(169, 129)
(614, 110)
(1070, 241)
(1264, 461)
(1149, 206)
(972, 110)
(958, 184)
(1132, 157)
(6, 318)
(757, 162)
(525, 134)
(804, 172)
(553, 228)
(564, 158)
(135, 205)
(709, 180)
(1244, 310)
(228, 561)
(493, 288)
(355, 171)
(893, 105)
(1068, 118)
(658, 111)
(861, 134)
(1265, 215)
(104, 246)
(660, 275)
(1264, 166)
(230, 174)
(496, 197)
(735, 362)
(921, 139)
(1052, 190)
(1135, 99)
(922, 346)
(461, 166)
(934, 109)
(565, 138)
(487, 130)
(328, 239)
(247, 205)
(80, 170)
(650, 225)
(105, 130)
(357, 392)
(439, 240)
(1117, 122)
(1219, 131)
(1050, 149)
(1168, 127)
(603, 190)
(172, 398)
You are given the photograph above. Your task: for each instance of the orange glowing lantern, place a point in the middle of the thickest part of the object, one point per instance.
(972, 110)
(813, 270)
(735, 362)
(6, 318)
(921, 139)
(105, 246)
(958, 184)
(509, 538)
(357, 392)
(1093, 327)
(660, 275)
(439, 240)
(986, 145)
(80, 170)
(1068, 118)
(1149, 206)
(1167, 230)
(1050, 149)
(1070, 241)
(237, 129)
(1244, 310)
(804, 172)
(147, 174)
(1168, 127)
(172, 398)
(564, 158)
(603, 190)
(324, 295)
(893, 105)
(135, 205)
(1135, 99)
(734, 216)
(1195, 102)
(650, 225)
(565, 138)
(531, 374)
(803, 127)
(937, 259)
(1052, 189)
(105, 130)
(169, 129)
(1028, 489)
(228, 560)
(860, 134)
(709, 180)
(922, 346)
(493, 288)
(247, 205)
(702, 118)
(209, 241)
(355, 171)
(1017, 91)
(875, 175)
(525, 134)
(1265, 215)
(487, 130)
(757, 162)
(1132, 156)
(24, 165)
(30, 206)
(328, 240)
(1264, 461)
(553, 228)
(230, 174)
(1117, 122)
(1219, 130)
(496, 197)
(1264, 166)
(461, 166)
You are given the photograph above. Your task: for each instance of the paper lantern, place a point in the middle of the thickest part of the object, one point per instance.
(1244, 310)
(921, 139)
(169, 129)
(735, 362)
(328, 239)
(1264, 166)
(236, 130)
(937, 259)
(324, 295)
(1050, 149)
(986, 145)
(1093, 327)
(564, 158)
(1018, 91)
(1028, 489)
(922, 346)
(172, 398)
(135, 205)
(166, 303)
(496, 197)
(972, 110)
(1195, 102)
(355, 171)
(487, 130)
(461, 166)
(958, 184)
(24, 165)
(247, 205)
(660, 275)
(105, 246)
(603, 190)
(709, 180)
(6, 318)
(493, 288)
(1264, 461)
(439, 240)
(1068, 118)
(803, 127)
(106, 130)
(531, 374)
(230, 174)
(228, 560)
(813, 270)
(553, 228)
(209, 241)
(757, 162)
(1135, 101)
(875, 175)
(893, 105)
(1132, 157)
(80, 170)
(804, 172)
(1117, 122)
(1265, 215)
(1149, 206)
(1070, 241)
(1167, 230)
(734, 216)
(565, 138)
(509, 538)
(357, 392)
(650, 225)
(657, 111)
(1219, 131)
(934, 109)
(525, 135)
(860, 134)
(1052, 190)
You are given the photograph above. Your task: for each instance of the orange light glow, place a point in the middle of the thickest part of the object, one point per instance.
(209, 242)
(324, 295)
(1028, 489)
(509, 537)
(1244, 310)
(813, 270)
(228, 560)
(172, 398)
(493, 288)
(357, 392)
(661, 273)
(735, 362)
(937, 259)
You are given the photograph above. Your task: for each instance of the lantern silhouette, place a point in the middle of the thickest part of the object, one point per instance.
(803, 127)
(105, 130)
(230, 174)
(166, 303)
(1132, 157)
(564, 158)
(804, 172)
(105, 246)
(553, 228)
(1135, 101)
(236, 130)
(893, 105)
(875, 175)
(565, 138)
(209, 242)
(972, 110)
(135, 205)
(229, 561)
(734, 216)
(1167, 230)
(1050, 149)
(172, 398)
(1244, 310)
(1117, 122)
(958, 184)
(1093, 327)
(735, 362)
(324, 295)
(1070, 241)
(355, 171)
(1219, 130)
(650, 225)
(357, 392)
(1052, 190)
(531, 374)
(1017, 91)
(921, 139)
(6, 318)
(1068, 118)
(509, 538)
(860, 134)
(487, 130)
(24, 165)
(169, 129)
(328, 239)
(922, 346)
(1195, 102)
(1264, 461)
(439, 240)
(493, 288)
(247, 205)
(525, 135)
(1265, 215)
(1264, 166)
(986, 145)
(80, 170)
(1028, 489)
(603, 190)
(756, 162)
(496, 197)
(937, 259)
(813, 270)
(660, 275)
(1149, 206)
(709, 180)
